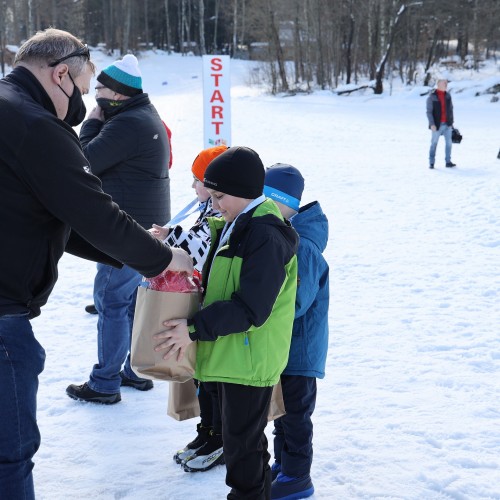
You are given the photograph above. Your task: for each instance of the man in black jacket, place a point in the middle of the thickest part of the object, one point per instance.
(50, 203)
(127, 146)
(439, 108)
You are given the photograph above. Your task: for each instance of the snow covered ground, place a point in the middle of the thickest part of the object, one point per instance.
(410, 406)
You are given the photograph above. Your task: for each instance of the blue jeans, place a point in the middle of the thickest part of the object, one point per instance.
(22, 359)
(442, 130)
(114, 298)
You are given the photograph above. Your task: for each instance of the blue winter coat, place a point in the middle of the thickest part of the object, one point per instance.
(310, 327)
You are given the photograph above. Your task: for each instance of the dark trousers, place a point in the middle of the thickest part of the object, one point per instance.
(294, 431)
(208, 397)
(244, 412)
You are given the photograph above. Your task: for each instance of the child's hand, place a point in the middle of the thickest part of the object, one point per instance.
(176, 338)
(159, 232)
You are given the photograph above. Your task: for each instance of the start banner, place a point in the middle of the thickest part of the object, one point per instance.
(216, 101)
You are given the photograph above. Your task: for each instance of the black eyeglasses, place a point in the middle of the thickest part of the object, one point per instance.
(81, 52)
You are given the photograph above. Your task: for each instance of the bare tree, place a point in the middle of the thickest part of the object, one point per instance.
(127, 20)
(276, 48)
(167, 26)
(201, 24)
(379, 74)
(146, 23)
(235, 26)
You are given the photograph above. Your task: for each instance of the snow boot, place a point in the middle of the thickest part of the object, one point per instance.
(275, 470)
(291, 488)
(191, 448)
(91, 309)
(206, 457)
(84, 393)
(141, 384)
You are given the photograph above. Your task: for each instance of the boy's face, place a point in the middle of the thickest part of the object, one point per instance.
(201, 191)
(228, 206)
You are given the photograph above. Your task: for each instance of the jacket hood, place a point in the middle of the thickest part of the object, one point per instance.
(311, 223)
(268, 213)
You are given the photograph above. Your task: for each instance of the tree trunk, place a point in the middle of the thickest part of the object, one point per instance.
(242, 36)
(379, 74)
(181, 17)
(297, 49)
(430, 55)
(167, 22)
(320, 71)
(235, 26)
(278, 50)
(201, 8)
(475, 34)
(127, 19)
(31, 26)
(216, 25)
(146, 24)
(348, 69)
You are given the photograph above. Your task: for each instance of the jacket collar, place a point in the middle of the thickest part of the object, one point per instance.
(24, 78)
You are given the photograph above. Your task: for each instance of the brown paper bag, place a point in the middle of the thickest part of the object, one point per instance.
(277, 405)
(152, 308)
(183, 402)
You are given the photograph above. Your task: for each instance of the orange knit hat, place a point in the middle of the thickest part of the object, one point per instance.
(202, 161)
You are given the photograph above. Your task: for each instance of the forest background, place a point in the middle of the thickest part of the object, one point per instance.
(304, 44)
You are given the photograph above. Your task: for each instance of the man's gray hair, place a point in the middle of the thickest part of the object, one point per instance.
(48, 46)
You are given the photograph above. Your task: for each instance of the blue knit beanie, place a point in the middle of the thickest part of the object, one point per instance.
(285, 184)
(123, 76)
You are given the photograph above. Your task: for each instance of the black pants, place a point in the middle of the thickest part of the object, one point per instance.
(294, 431)
(208, 397)
(244, 412)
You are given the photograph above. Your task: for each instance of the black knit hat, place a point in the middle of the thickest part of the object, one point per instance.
(238, 171)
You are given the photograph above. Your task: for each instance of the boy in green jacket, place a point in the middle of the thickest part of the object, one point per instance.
(244, 328)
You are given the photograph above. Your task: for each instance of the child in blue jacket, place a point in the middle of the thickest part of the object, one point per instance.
(293, 432)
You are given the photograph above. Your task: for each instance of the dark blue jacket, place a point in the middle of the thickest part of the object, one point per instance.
(310, 327)
(129, 152)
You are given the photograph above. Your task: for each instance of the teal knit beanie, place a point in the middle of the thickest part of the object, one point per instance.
(123, 76)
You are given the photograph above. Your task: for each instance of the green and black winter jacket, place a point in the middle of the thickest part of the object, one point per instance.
(244, 328)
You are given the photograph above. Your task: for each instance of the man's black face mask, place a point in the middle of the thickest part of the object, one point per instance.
(76, 107)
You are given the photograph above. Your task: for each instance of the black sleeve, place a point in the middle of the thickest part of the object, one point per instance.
(52, 164)
(262, 276)
(80, 247)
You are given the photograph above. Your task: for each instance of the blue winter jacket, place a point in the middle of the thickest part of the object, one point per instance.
(310, 327)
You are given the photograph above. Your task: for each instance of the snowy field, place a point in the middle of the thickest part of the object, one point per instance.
(410, 406)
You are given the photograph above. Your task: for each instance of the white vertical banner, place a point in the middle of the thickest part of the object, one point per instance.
(216, 101)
